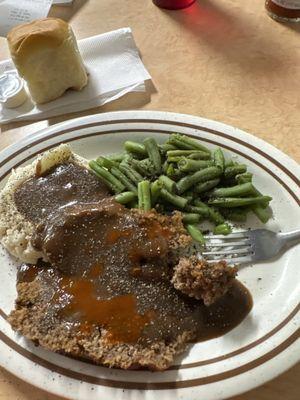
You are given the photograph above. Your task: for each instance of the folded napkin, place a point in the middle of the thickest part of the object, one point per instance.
(114, 66)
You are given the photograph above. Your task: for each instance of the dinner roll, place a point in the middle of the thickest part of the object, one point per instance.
(46, 55)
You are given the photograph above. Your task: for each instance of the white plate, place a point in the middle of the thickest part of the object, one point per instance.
(264, 345)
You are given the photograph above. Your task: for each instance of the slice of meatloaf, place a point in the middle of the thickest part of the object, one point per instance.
(201, 280)
(132, 255)
(39, 323)
(107, 295)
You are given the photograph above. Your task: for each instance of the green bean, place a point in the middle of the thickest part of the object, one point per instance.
(123, 178)
(118, 157)
(212, 214)
(183, 153)
(140, 196)
(135, 148)
(198, 156)
(202, 211)
(106, 162)
(170, 170)
(186, 170)
(238, 215)
(195, 233)
(147, 164)
(257, 193)
(178, 174)
(190, 218)
(206, 186)
(165, 167)
(229, 163)
(189, 196)
(184, 142)
(215, 216)
(188, 165)
(222, 229)
(172, 198)
(262, 213)
(230, 202)
(234, 170)
(179, 144)
(189, 199)
(127, 157)
(153, 153)
(244, 178)
(166, 147)
(139, 167)
(107, 177)
(111, 187)
(228, 182)
(168, 183)
(189, 192)
(125, 197)
(219, 158)
(204, 175)
(144, 195)
(199, 203)
(244, 189)
(131, 173)
(175, 159)
(156, 187)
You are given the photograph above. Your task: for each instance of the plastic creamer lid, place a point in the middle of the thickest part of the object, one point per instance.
(12, 91)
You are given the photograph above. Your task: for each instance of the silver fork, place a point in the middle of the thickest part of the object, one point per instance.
(248, 246)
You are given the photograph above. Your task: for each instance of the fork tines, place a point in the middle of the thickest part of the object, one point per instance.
(233, 235)
(234, 248)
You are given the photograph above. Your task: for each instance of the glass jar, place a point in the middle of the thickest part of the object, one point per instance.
(284, 10)
(173, 4)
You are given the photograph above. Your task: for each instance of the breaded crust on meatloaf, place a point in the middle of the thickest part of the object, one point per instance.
(208, 282)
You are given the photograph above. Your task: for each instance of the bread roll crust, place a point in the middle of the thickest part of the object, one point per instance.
(22, 39)
(46, 55)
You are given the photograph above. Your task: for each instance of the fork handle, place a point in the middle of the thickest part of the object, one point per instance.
(290, 238)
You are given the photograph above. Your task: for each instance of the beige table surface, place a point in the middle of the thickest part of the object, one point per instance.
(220, 59)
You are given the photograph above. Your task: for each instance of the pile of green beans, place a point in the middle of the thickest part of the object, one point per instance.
(182, 174)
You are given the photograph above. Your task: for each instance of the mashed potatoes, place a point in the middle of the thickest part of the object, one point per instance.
(15, 230)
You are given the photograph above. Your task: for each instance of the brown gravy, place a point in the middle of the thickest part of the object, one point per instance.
(111, 268)
(64, 184)
(77, 303)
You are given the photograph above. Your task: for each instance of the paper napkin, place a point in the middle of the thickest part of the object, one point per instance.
(114, 66)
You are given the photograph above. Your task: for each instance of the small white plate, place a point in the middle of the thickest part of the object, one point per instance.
(264, 345)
